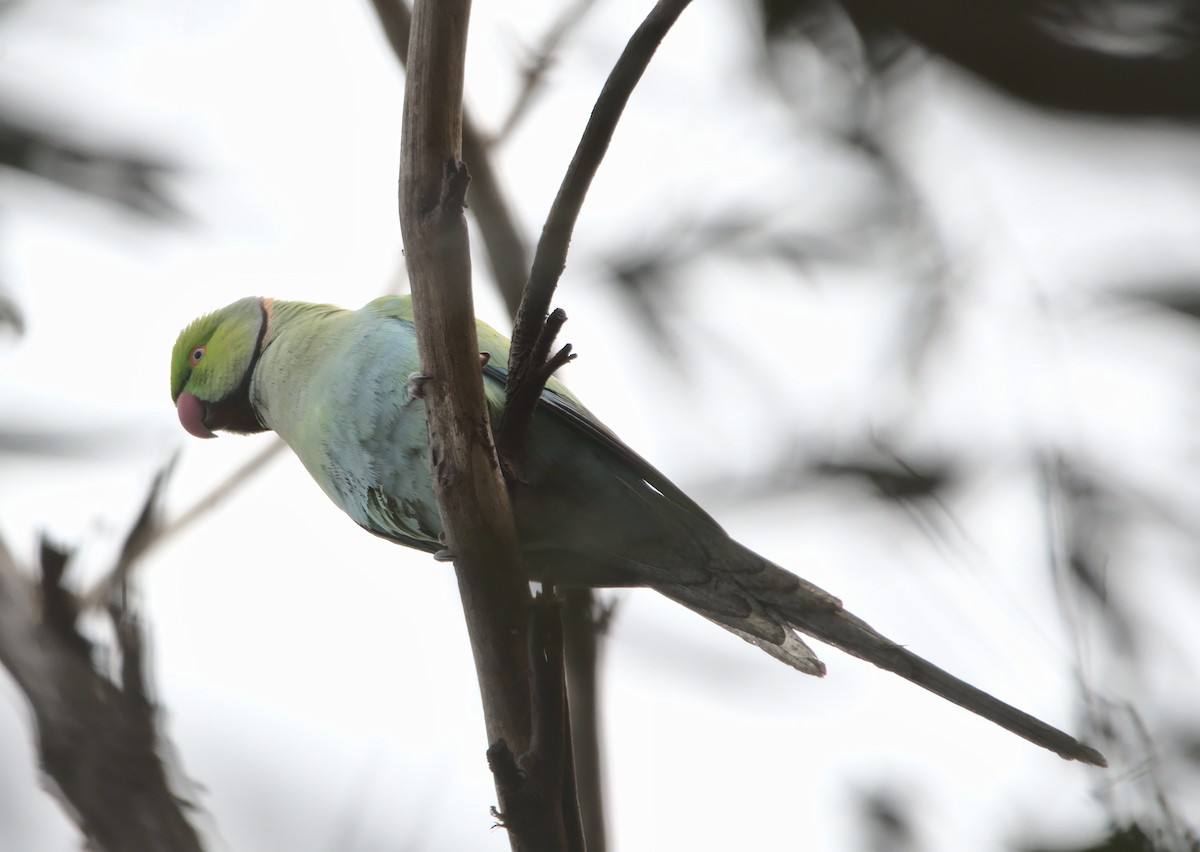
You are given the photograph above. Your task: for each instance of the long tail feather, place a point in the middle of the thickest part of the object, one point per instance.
(854, 636)
(766, 605)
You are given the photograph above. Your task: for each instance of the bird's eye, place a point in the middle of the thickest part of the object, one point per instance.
(197, 355)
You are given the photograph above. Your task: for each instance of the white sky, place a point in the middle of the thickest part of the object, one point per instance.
(318, 684)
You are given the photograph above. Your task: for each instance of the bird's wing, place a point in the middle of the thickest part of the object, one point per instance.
(557, 402)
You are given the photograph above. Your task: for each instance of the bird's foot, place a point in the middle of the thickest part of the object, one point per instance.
(416, 385)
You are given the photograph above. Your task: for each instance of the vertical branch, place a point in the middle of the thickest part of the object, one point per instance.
(436, 207)
(471, 495)
(506, 248)
(584, 624)
(539, 785)
(530, 365)
(472, 498)
(507, 251)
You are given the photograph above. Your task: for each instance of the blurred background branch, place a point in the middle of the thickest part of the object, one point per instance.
(97, 732)
(134, 181)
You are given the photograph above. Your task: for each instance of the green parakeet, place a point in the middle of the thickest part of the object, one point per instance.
(334, 384)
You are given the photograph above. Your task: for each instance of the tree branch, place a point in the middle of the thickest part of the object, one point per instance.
(474, 504)
(134, 180)
(521, 397)
(584, 623)
(1007, 44)
(101, 592)
(506, 248)
(551, 256)
(539, 786)
(539, 63)
(506, 253)
(527, 375)
(472, 497)
(97, 738)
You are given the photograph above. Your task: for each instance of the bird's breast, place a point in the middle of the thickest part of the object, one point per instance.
(341, 403)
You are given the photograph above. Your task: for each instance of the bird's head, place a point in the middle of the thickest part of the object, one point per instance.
(211, 367)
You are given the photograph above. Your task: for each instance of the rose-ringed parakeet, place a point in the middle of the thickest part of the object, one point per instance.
(334, 384)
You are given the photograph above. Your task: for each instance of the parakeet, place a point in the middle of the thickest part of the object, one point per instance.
(334, 384)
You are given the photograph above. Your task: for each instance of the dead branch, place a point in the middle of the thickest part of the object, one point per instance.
(527, 374)
(476, 515)
(97, 737)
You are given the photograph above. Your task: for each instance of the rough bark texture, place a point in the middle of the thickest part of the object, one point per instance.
(531, 764)
(480, 535)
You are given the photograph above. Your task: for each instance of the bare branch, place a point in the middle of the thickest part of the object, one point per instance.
(551, 256)
(522, 396)
(507, 252)
(508, 257)
(546, 683)
(98, 595)
(395, 18)
(584, 624)
(476, 515)
(133, 180)
(534, 331)
(98, 740)
(540, 62)
(538, 786)
(473, 502)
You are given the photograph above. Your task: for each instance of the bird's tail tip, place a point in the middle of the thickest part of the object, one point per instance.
(1087, 754)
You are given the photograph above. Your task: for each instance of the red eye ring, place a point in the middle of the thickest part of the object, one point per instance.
(197, 354)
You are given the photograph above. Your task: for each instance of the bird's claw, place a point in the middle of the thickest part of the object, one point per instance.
(416, 385)
(484, 357)
(443, 555)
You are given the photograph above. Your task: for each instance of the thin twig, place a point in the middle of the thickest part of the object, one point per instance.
(551, 256)
(540, 62)
(97, 596)
(522, 396)
(548, 689)
(585, 622)
(529, 330)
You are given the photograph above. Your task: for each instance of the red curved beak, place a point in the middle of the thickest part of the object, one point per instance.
(191, 414)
